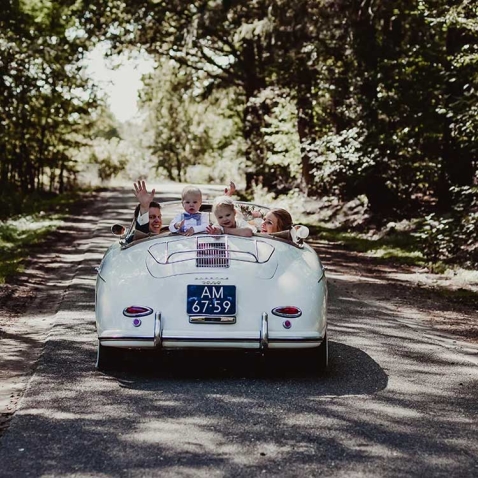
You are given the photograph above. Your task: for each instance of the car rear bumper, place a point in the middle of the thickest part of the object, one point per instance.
(260, 341)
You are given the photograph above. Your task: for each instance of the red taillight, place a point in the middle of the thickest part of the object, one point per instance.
(137, 311)
(288, 311)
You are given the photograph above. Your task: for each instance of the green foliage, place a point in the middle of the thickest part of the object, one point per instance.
(339, 161)
(110, 157)
(16, 236)
(453, 237)
(187, 130)
(42, 103)
(281, 139)
(15, 203)
(375, 99)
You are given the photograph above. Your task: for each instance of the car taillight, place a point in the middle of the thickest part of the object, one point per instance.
(137, 311)
(288, 311)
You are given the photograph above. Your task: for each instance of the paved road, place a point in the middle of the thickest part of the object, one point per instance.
(398, 401)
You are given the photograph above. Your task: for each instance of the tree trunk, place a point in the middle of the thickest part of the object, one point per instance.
(305, 122)
(457, 162)
(253, 117)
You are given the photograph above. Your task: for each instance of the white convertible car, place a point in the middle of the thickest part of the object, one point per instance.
(170, 291)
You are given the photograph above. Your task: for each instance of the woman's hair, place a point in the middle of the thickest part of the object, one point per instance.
(222, 201)
(284, 219)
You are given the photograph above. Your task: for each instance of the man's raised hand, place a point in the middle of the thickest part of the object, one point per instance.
(141, 193)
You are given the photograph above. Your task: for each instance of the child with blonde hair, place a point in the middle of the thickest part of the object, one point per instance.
(191, 221)
(228, 221)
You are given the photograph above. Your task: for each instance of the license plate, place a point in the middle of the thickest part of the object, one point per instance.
(211, 300)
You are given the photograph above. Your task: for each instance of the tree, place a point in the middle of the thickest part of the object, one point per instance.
(42, 104)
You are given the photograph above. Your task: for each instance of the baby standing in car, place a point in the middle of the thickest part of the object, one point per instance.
(191, 220)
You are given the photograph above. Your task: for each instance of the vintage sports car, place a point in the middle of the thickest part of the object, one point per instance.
(170, 291)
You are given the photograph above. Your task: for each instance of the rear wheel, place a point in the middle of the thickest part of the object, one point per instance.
(320, 356)
(323, 354)
(106, 357)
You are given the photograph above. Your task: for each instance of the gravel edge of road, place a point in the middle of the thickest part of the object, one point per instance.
(34, 320)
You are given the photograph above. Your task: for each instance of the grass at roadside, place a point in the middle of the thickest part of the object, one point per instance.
(16, 237)
(399, 247)
(19, 233)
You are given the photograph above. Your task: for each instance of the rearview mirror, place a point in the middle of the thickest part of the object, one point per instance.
(118, 229)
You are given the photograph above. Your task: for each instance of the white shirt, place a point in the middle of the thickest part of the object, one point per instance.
(197, 225)
(143, 218)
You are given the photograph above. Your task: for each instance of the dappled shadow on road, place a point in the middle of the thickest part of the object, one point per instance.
(28, 304)
(395, 286)
(70, 253)
(198, 413)
(390, 402)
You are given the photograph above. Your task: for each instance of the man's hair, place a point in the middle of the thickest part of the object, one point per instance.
(284, 219)
(190, 190)
(155, 204)
(221, 201)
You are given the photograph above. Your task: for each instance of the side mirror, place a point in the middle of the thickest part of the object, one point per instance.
(298, 234)
(118, 229)
(302, 232)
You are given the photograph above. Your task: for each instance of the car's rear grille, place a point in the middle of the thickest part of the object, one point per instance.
(212, 254)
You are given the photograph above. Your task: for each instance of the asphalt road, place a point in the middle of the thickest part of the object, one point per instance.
(398, 400)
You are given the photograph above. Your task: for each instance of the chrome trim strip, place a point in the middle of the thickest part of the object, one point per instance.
(264, 340)
(234, 251)
(211, 319)
(158, 330)
(212, 339)
(119, 338)
(162, 339)
(297, 340)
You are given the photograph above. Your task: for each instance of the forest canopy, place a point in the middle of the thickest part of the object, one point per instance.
(344, 98)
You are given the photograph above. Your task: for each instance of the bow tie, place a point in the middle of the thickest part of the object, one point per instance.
(196, 216)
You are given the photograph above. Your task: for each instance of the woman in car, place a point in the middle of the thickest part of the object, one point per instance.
(278, 222)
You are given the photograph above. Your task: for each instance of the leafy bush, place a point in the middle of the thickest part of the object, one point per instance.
(454, 237)
(339, 161)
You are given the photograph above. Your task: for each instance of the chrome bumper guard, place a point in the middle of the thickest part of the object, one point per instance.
(264, 340)
(158, 330)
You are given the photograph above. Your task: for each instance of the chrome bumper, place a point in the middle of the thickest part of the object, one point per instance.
(261, 343)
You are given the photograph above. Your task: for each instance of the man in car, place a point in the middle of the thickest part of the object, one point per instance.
(148, 212)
